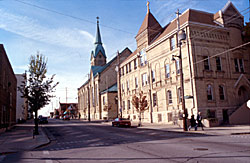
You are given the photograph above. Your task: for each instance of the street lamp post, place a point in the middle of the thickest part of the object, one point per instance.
(181, 35)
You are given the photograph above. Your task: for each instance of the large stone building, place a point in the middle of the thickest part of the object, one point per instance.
(97, 97)
(8, 88)
(216, 68)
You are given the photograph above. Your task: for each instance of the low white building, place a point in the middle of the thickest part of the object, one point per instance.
(21, 105)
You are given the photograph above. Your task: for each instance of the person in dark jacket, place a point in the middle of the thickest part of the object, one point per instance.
(192, 123)
(199, 119)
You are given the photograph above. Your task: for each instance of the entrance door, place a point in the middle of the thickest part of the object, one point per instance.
(225, 116)
(243, 95)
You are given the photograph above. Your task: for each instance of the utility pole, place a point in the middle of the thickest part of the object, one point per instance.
(180, 37)
(89, 98)
(119, 85)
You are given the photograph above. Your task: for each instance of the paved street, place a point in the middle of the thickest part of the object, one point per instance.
(78, 141)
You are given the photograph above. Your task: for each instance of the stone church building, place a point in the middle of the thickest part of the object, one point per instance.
(215, 64)
(97, 97)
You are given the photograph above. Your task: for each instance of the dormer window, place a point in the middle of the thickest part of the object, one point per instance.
(100, 56)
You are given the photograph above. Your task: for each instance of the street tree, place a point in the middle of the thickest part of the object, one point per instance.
(141, 104)
(38, 90)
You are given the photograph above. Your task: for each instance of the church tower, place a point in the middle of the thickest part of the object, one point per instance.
(98, 56)
(148, 31)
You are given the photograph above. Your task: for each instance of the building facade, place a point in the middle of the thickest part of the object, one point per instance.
(96, 97)
(215, 64)
(21, 103)
(8, 88)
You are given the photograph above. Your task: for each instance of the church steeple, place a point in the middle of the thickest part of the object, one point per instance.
(98, 56)
(98, 39)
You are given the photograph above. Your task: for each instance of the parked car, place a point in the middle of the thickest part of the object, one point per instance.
(43, 120)
(66, 117)
(121, 122)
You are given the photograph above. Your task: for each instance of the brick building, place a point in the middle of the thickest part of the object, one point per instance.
(215, 76)
(8, 88)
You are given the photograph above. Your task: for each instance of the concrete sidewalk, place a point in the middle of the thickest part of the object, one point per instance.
(221, 130)
(20, 138)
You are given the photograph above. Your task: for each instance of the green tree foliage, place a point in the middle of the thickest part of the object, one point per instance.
(141, 104)
(38, 90)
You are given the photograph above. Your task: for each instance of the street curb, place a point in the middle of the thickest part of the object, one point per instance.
(43, 144)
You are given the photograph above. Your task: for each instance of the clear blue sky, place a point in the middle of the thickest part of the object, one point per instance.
(66, 35)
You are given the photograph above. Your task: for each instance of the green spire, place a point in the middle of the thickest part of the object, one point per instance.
(98, 35)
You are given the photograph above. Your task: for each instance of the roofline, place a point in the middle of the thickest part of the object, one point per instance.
(187, 23)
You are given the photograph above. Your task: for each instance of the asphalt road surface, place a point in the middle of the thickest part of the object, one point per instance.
(78, 141)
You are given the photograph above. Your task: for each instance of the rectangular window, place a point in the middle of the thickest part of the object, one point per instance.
(141, 60)
(103, 100)
(135, 64)
(129, 105)
(136, 82)
(172, 43)
(154, 99)
(167, 69)
(97, 95)
(93, 96)
(153, 75)
(169, 95)
(145, 58)
(178, 66)
(221, 92)
(179, 95)
(218, 63)
(123, 105)
(241, 65)
(144, 79)
(206, 63)
(122, 87)
(209, 93)
(129, 66)
(127, 85)
(122, 71)
(126, 68)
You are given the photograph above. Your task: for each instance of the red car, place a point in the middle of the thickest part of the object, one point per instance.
(121, 122)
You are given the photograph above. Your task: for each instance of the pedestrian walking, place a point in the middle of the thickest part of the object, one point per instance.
(192, 123)
(79, 116)
(199, 119)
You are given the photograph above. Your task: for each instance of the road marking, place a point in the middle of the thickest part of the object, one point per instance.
(46, 152)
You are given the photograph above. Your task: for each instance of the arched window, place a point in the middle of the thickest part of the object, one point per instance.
(209, 92)
(167, 70)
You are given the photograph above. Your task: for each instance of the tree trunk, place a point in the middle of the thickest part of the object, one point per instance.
(36, 124)
(139, 125)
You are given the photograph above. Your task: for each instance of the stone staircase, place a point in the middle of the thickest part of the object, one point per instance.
(241, 115)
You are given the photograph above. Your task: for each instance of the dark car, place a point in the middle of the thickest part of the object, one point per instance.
(121, 122)
(43, 120)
